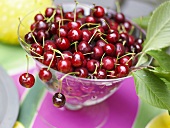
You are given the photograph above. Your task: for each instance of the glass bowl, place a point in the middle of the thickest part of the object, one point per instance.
(79, 92)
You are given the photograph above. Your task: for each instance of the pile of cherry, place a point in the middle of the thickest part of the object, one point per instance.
(97, 46)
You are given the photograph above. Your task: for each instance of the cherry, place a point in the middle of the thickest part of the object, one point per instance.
(53, 28)
(74, 34)
(82, 72)
(124, 37)
(62, 43)
(57, 18)
(84, 47)
(41, 25)
(126, 60)
(27, 80)
(90, 19)
(92, 64)
(48, 57)
(67, 55)
(120, 49)
(42, 35)
(49, 45)
(127, 25)
(113, 37)
(107, 63)
(101, 43)
(86, 35)
(119, 17)
(33, 26)
(77, 59)
(81, 20)
(69, 16)
(80, 11)
(49, 12)
(103, 23)
(36, 50)
(98, 12)
(121, 70)
(38, 17)
(131, 40)
(59, 100)
(64, 65)
(45, 74)
(97, 52)
(29, 37)
(109, 49)
(138, 47)
(98, 32)
(73, 24)
(62, 31)
(101, 74)
(139, 40)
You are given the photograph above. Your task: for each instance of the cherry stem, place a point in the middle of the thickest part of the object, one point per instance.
(127, 55)
(51, 61)
(132, 30)
(118, 6)
(34, 38)
(88, 53)
(123, 28)
(57, 51)
(107, 24)
(43, 42)
(63, 77)
(101, 63)
(124, 42)
(92, 37)
(103, 39)
(75, 10)
(61, 10)
(59, 28)
(88, 24)
(95, 71)
(27, 65)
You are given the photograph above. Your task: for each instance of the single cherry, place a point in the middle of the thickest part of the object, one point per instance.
(45, 74)
(98, 12)
(27, 80)
(59, 100)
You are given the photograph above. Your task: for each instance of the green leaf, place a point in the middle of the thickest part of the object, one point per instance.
(159, 72)
(158, 33)
(162, 58)
(152, 89)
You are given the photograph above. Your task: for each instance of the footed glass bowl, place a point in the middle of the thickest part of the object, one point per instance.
(79, 92)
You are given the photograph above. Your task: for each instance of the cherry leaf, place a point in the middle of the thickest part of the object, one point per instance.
(162, 58)
(152, 89)
(158, 32)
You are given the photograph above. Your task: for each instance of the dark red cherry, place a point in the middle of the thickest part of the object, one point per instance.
(45, 74)
(41, 25)
(62, 31)
(100, 43)
(42, 35)
(29, 37)
(107, 63)
(59, 100)
(139, 40)
(97, 52)
(73, 24)
(80, 11)
(62, 43)
(77, 59)
(49, 12)
(103, 23)
(86, 35)
(97, 32)
(127, 25)
(126, 60)
(90, 19)
(74, 34)
(124, 37)
(121, 70)
(109, 49)
(69, 16)
(57, 18)
(101, 74)
(91, 65)
(48, 57)
(82, 72)
(67, 55)
(84, 47)
(119, 17)
(27, 80)
(98, 12)
(81, 20)
(36, 50)
(53, 28)
(49, 45)
(120, 49)
(64, 65)
(131, 40)
(113, 37)
(38, 17)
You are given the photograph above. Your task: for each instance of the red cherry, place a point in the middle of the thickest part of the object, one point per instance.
(101, 74)
(119, 17)
(113, 37)
(86, 35)
(73, 24)
(27, 80)
(77, 59)
(90, 19)
(107, 63)
(38, 17)
(49, 45)
(120, 49)
(83, 72)
(121, 70)
(97, 52)
(126, 60)
(74, 35)
(84, 47)
(49, 12)
(59, 100)
(36, 50)
(64, 65)
(98, 11)
(45, 75)
(109, 49)
(62, 43)
(48, 56)
(91, 65)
